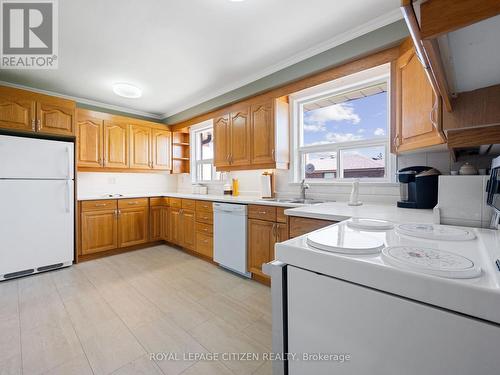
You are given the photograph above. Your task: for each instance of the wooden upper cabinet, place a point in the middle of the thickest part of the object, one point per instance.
(162, 149)
(22, 110)
(418, 108)
(262, 122)
(90, 133)
(240, 138)
(140, 147)
(253, 137)
(17, 111)
(222, 139)
(55, 116)
(115, 145)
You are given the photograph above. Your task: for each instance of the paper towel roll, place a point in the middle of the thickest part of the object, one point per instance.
(265, 186)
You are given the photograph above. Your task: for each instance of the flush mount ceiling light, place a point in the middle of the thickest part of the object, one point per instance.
(127, 90)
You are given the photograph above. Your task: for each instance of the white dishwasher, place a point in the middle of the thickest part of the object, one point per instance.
(230, 237)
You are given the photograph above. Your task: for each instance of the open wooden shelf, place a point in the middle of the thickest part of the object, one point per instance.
(180, 152)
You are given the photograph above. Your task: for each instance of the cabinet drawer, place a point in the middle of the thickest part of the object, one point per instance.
(105, 204)
(204, 244)
(205, 217)
(280, 215)
(204, 228)
(204, 206)
(262, 212)
(303, 225)
(158, 201)
(175, 202)
(133, 202)
(189, 204)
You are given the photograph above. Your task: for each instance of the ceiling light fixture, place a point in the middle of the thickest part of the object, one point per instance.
(127, 90)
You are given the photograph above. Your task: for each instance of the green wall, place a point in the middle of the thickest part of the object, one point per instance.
(371, 42)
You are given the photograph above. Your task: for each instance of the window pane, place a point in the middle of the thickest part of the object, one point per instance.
(368, 162)
(205, 145)
(320, 165)
(341, 119)
(204, 172)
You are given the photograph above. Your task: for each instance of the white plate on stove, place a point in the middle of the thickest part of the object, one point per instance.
(431, 261)
(369, 224)
(435, 232)
(341, 239)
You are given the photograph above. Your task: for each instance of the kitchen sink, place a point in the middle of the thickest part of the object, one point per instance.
(294, 200)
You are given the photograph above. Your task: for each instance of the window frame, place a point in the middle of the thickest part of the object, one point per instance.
(194, 161)
(355, 81)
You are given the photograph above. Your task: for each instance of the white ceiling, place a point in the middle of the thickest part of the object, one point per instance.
(184, 52)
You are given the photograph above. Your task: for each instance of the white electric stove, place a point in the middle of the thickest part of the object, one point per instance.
(399, 298)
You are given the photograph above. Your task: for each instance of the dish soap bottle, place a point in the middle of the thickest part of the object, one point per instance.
(236, 187)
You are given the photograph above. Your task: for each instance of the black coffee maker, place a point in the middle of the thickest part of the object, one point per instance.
(418, 187)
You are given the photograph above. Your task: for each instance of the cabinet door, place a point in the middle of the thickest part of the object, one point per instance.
(175, 226)
(115, 145)
(55, 116)
(418, 109)
(165, 229)
(188, 229)
(99, 231)
(140, 147)
(262, 121)
(240, 138)
(162, 152)
(133, 226)
(17, 111)
(261, 239)
(156, 223)
(90, 132)
(222, 147)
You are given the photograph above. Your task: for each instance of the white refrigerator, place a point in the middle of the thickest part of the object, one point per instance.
(37, 222)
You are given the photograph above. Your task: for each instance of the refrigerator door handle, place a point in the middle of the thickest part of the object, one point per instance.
(69, 162)
(68, 197)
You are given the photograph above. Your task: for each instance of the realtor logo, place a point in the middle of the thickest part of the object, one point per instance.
(29, 34)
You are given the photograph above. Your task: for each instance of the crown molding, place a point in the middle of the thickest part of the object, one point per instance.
(85, 101)
(342, 38)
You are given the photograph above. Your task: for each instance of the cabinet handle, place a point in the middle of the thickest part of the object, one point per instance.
(205, 241)
(100, 204)
(33, 122)
(228, 160)
(396, 141)
(133, 203)
(273, 155)
(119, 212)
(38, 125)
(262, 212)
(274, 231)
(116, 213)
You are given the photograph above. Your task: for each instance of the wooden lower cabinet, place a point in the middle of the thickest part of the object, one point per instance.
(156, 218)
(261, 240)
(175, 225)
(303, 225)
(99, 231)
(134, 226)
(188, 224)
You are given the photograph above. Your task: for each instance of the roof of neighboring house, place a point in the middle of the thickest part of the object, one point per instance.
(350, 161)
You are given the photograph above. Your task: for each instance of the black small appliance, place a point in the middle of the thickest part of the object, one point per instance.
(418, 187)
(493, 189)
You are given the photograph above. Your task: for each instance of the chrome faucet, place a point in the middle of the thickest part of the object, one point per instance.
(303, 188)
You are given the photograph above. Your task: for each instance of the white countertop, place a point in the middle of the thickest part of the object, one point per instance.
(478, 297)
(205, 197)
(338, 211)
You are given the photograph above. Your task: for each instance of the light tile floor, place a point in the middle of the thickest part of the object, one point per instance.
(106, 316)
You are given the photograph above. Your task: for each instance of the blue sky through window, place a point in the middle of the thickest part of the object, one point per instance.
(358, 119)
